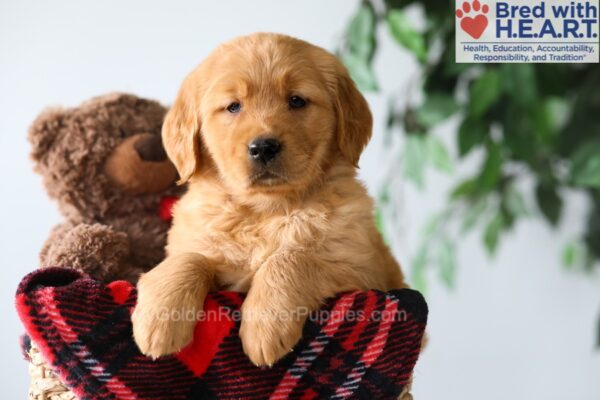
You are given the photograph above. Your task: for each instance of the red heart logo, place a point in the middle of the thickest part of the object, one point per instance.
(474, 26)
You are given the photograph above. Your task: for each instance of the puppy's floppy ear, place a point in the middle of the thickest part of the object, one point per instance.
(354, 119)
(181, 131)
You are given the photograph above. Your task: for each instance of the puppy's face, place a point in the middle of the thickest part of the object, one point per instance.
(268, 114)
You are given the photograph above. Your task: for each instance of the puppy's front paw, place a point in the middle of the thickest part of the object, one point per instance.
(156, 337)
(162, 323)
(267, 336)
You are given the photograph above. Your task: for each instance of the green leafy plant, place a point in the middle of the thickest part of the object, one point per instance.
(527, 121)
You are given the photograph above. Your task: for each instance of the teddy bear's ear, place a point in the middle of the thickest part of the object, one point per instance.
(44, 131)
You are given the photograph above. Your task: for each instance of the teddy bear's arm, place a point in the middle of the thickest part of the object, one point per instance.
(95, 249)
(55, 236)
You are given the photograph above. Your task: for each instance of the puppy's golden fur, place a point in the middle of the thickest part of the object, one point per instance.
(292, 233)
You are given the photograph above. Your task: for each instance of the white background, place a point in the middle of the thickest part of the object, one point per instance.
(517, 326)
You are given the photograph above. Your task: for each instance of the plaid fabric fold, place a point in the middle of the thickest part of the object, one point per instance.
(360, 345)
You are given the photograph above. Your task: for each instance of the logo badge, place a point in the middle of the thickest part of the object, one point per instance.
(527, 31)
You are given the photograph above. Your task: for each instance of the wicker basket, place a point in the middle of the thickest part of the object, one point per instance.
(45, 385)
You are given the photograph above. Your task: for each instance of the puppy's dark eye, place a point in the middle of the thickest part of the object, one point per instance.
(296, 102)
(234, 108)
(122, 133)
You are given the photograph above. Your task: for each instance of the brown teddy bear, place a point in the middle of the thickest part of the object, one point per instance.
(105, 165)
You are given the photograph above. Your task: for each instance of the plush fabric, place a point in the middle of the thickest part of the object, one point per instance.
(360, 345)
(104, 164)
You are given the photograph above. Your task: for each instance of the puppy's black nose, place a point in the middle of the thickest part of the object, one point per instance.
(264, 150)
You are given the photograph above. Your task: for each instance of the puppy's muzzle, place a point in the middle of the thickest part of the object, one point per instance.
(264, 150)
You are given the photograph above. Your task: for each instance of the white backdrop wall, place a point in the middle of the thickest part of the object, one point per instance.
(515, 327)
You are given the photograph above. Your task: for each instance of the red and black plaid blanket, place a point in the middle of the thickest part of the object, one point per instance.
(361, 345)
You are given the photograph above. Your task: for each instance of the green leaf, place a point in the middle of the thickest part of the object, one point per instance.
(550, 116)
(391, 121)
(473, 214)
(438, 155)
(485, 91)
(492, 233)
(418, 270)
(361, 32)
(559, 111)
(384, 194)
(436, 108)
(520, 83)
(404, 34)
(549, 202)
(380, 223)
(515, 202)
(361, 72)
(569, 255)
(467, 188)
(556, 79)
(432, 225)
(585, 164)
(574, 254)
(472, 132)
(415, 158)
(507, 215)
(446, 258)
(492, 168)
(519, 137)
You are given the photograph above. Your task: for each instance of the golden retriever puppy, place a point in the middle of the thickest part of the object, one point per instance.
(267, 132)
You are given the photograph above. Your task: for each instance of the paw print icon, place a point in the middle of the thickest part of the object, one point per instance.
(473, 18)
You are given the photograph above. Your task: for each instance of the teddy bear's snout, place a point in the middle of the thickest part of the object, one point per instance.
(139, 165)
(150, 148)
